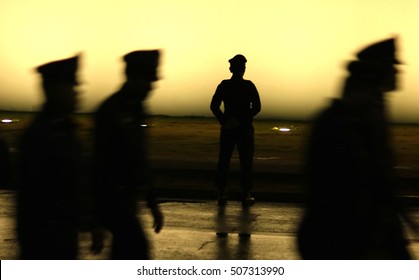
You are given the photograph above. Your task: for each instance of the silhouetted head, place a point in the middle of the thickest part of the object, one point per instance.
(59, 79)
(375, 66)
(238, 65)
(142, 65)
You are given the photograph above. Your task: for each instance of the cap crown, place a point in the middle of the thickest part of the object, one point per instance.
(60, 70)
(142, 63)
(238, 59)
(380, 52)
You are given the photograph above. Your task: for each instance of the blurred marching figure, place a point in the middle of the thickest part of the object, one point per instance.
(352, 212)
(241, 103)
(48, 214)
(121, 168)
(5, 163)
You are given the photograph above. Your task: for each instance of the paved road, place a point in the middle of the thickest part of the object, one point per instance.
(190, 227)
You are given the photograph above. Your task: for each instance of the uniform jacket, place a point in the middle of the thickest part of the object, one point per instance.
(49, 177)
(350, 182)
(241, 102)
(120, 166)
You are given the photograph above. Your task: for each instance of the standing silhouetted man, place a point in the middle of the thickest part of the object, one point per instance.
(121, 168)
(352, 210)
(241, 103)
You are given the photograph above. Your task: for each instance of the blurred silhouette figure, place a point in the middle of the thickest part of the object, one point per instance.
(5, 163)
(241, 104)
(49, 185)
(352, 212)
(121, 167)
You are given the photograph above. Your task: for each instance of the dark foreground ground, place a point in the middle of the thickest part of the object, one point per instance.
(190, 231)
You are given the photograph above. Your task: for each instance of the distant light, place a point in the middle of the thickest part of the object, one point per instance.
(144, 125)
(281, 129)
(6, 121)
(284, 129)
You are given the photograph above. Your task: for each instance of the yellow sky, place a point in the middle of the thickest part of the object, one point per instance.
(295, 49)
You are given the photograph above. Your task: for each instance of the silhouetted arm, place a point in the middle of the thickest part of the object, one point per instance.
(158, 217)
(256, 106)
(216, 104)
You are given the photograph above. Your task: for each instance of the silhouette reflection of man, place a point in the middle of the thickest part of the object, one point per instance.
(121, 166)
(352, 211)
(49, 161)
(241, 103)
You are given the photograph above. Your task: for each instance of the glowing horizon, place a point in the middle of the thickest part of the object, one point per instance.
(296, 50)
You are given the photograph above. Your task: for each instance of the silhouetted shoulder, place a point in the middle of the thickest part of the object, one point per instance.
(249, 83)
(109, 107)
(224, 82)
(340, 114)
(231, 82)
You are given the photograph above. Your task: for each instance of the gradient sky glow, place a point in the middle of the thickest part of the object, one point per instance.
(296, 49)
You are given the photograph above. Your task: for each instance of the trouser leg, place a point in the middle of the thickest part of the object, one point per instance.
(245, 144)
(129, 240)
(227, 142)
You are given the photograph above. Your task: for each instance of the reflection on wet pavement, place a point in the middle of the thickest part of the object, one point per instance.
(265, 231)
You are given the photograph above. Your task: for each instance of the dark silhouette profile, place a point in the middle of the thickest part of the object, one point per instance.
(48, 171)
(5, 163)
(121, 168)
(352, 212)
(241, 103)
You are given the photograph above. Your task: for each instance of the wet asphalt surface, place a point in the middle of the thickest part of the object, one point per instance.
(190, 231)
